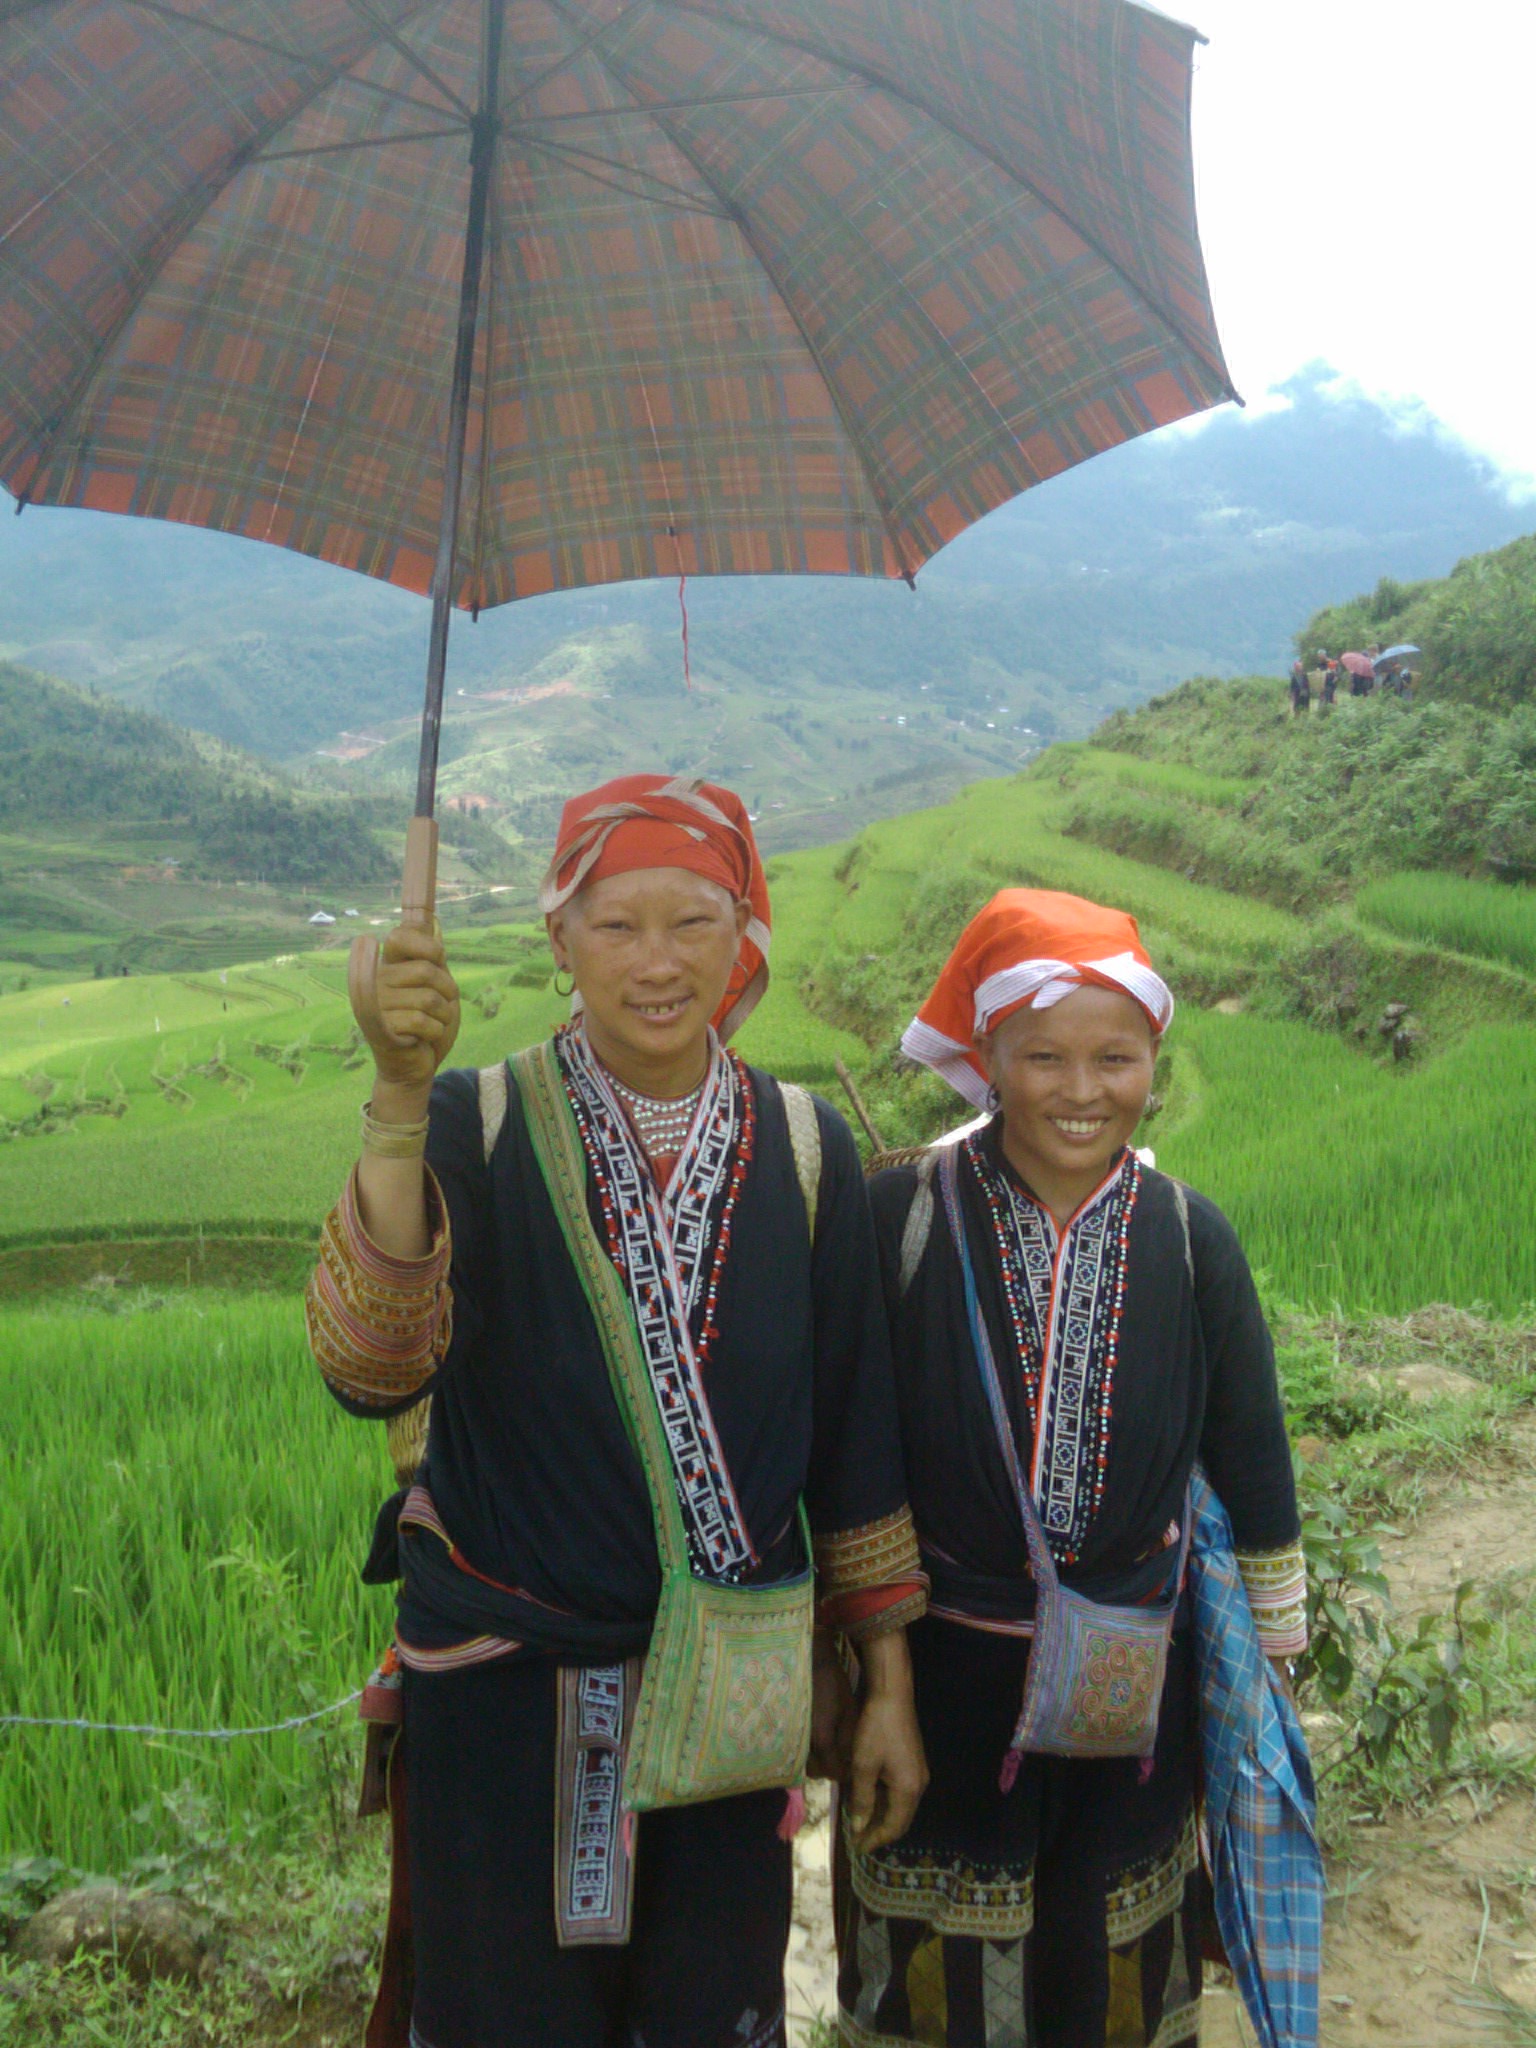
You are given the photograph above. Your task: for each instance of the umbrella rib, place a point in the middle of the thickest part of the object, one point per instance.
(1165, 314)
(418, 64)
(717, 99)
(235, 35)
(283, 156)
(199, 203)
(744, 230)
(570, 57)
(684, 201)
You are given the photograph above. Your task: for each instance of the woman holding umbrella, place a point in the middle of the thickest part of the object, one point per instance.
(1072, 1331)
(638, 1279)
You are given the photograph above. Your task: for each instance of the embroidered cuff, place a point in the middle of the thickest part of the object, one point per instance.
(378, 1325)
(876, 1611)
(1276, 1584)
(869, 1580)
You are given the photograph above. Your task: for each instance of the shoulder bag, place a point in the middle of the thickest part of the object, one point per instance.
(1094, 1684)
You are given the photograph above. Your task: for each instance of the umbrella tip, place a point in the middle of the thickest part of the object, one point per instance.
(910, 580)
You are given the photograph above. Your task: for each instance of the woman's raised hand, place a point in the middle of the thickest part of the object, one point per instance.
(412, 1029)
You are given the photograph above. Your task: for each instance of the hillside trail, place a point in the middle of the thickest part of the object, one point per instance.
(1432, 1915)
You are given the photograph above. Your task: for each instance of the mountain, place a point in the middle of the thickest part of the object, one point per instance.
(1188, 551)
(73, 764)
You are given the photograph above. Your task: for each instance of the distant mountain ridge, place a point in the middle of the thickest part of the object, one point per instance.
(1185, 552)
(71, 761)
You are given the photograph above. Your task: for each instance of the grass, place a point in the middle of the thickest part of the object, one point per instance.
(1352, 1182)
(1490, 920)
(179, 1545)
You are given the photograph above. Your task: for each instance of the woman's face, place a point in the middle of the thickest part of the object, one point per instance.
(650, 952)
(1072, 1082)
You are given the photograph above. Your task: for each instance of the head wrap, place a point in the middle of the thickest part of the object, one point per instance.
(1028, 946)
(659, 821)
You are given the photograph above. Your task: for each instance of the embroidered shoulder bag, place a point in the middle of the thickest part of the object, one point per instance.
(1094, 1684)
(725, 1694)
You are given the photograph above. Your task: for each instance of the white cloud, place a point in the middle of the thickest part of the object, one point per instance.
(1366, 177)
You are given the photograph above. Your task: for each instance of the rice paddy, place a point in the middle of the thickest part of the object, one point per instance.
(1491, 920)
(181, 1527)
(1377, 1188)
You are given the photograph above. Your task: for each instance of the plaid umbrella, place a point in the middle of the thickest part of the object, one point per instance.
(496, 297)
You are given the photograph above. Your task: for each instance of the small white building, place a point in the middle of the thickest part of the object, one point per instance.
(322, 917)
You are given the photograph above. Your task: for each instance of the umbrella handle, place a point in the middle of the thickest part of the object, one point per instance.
(418, 907)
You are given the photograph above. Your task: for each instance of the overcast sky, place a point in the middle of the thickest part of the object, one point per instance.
(1366, 174)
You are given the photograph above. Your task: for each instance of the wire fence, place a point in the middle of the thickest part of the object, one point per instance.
(177, 1734)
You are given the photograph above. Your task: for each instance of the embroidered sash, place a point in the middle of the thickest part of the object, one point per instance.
(725, 1694)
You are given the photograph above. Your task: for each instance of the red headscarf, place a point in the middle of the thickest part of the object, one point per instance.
(1027, 946)
(659, 821)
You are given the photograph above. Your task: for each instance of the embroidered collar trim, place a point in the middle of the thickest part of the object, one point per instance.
(1064, 1295)
(670, 1247)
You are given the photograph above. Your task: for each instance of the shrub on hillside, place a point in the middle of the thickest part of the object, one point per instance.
(1374, 786)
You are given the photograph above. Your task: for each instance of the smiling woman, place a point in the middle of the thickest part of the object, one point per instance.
(637, 1278)
(1072, 1331)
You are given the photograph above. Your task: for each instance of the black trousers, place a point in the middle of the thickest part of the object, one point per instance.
(704, 1967)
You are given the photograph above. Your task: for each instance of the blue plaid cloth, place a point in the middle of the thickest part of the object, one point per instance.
(1260, 1804)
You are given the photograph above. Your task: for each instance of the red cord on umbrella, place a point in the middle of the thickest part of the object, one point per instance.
(682, 605)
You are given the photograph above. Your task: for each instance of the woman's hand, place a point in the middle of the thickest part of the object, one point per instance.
(889, 1772)
(834, 1713)
(419, 1007)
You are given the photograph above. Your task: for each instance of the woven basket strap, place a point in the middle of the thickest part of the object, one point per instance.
(919, 1224)
(805, 1142)
(493, 1105)
(1181, 1203)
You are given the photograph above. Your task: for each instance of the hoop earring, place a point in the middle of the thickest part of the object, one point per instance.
(559, 991)
(994, 1100)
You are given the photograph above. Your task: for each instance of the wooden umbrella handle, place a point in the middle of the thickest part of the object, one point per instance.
(418, 907)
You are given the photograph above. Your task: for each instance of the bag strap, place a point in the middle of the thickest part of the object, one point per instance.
(493, 1105)
(919, 1223)
(805, 1143)
(1041, 1563)
(563, 1164)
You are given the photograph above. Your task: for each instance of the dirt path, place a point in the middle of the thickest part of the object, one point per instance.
(1407, 1916)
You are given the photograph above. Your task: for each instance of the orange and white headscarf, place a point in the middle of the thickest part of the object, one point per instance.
(1027, 946)
(661, 821)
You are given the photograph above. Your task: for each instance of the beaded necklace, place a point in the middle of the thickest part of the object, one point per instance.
(1065, 1291)
(662, 1123)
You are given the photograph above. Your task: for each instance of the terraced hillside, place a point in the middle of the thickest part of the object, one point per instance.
(187, 1115)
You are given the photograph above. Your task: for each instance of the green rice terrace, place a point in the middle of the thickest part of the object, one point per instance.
(1345, 911)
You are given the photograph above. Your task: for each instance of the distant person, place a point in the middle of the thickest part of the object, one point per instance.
(1301, 690)
(1359, 685)
(1330, 683)
(1405, 682)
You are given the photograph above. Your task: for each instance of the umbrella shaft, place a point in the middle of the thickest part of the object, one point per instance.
(482, 154)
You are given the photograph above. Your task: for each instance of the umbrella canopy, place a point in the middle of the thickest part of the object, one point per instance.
(1358, 664)
(497, 297)
(800, 286)
(1395, 654)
